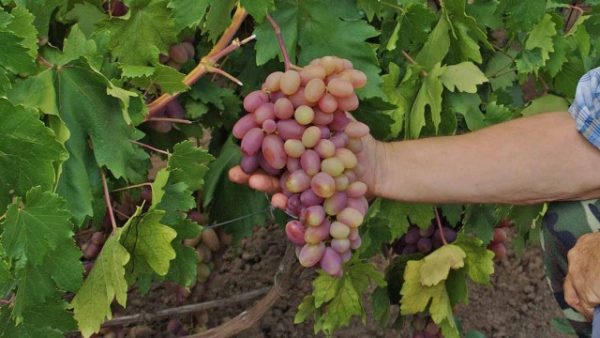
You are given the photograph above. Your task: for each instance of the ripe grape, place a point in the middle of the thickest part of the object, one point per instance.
(498, 243)
(178, 53)
(297, 129)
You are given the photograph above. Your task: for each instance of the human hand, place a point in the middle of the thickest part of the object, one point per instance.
(582, 284)
(368, 158)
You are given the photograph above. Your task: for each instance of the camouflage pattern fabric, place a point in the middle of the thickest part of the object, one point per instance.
(563, 223)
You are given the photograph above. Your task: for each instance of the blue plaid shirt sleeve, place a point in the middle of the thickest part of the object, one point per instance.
(585, 109)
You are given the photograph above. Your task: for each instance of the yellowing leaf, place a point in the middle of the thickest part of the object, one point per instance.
(106, 281)
(463, 77)
(437, 265)
(479, 261)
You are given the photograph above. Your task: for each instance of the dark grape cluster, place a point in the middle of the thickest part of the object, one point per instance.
(115, 7)
(298, 130)
(179, 54)
(498, 243)
(424, 327)
(424, 240)
(173, 110)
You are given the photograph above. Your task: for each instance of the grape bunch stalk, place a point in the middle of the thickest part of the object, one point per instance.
(298, 130)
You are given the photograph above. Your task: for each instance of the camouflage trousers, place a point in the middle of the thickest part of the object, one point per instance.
(563, 223)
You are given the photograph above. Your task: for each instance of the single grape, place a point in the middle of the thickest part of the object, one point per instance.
(298, 181)
(189, 48)
(347, 157)
(412, 235)
(346, 256)
(341, 183)
(328, 103)
(340, 88)
(499, 250)
(250, 164)
(311, 254)
(317, 234)
(427, 232)
(304, 115)
(355, 145)
(349, 103)
(361, 204)
(272, 82)
(333, 166)
(264, 165)
(340, 245)
(351, 217)
(355, 244)
(311, 136)
(178, 53)
(294, 204)
(293, 164)
(340, 140)
(269, 126)
(330, 64)
(325, 148)
(315, 215)
(339, 230)
(312, 72)
(289, 82)
(97, 238)
(340, 121)
(211, 239)
(499, 235)
(279, 200)
(294, 148)
(409, 249)
(243, 125)
(284, 109)
(252, 141)
(356, 189)
(254, 100)
(264, 112)
(310, 162)
(323, 185)
(174, 109)
(297, 99)
(91, 250)
(309, 198)
(336, 203)
(432, 329)
(424, 245)
(321, 118)
(325, 133)
(356, 129)
(331, 262)
(290, 129)
(314, 90)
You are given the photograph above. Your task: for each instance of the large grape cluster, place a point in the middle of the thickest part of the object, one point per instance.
(298, 130)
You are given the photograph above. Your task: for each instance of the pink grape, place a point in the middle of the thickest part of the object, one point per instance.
(317, 234)
(311, 136)
(311, 72)
(351, 217)
(298, 181)
(283, 108)
(310, 162)
(323, 185)
(336, 203)
(274, 96)
(273, 151)
(328, 104)
(311, 254)
(269, 126)
(354, 234)
(331, 262)
(347, 157)
(339, 87)
(346, 256)
(325, 148)
(333, 166)
(272, 82)
(314, 90)
(264, 165)
(325, 132)
(294, 148)
(355, 145)
(340, 140)
(243, 125)
(293, 164)
(322, 118)
(294, 203)
(279, 200)
(289, 82)
(249, 164)
(295, 232)
(339, 230)
(189, 48)
(315, 215)
(304, 115)
(349, 103)
(356, 189)
(330, 64)
(254, 100)
(340, 121)
(252, 141)
(355, 244)
(178, 53)
(309, 198)
(174, 109)
(499, 235)
(290, 129)
(361, 204)
(298, 99)
(340, 245)
(265, 111)
(412, 236)
(341, 182)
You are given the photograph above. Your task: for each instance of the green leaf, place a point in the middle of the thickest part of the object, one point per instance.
(381, 305)
(430, 94)
(500, 71)
(325, 287)
(188, 13)
(541, 37)
(522, 15)
(319, 29)
(77, 45)
(33, 230)
(546, 103)
(22, 26)
(464, 77)
(395, 96)
(437, 265)
(15, 57)
(147, 240)
(174, 198)
(88, 16)
(183, 269)
(148, 31)
(218, 18)
(305, 309)
(106, 281)
(479, 261)
(42, 11)
(258, 8)
(436, 47)
(8, 328)
(342, 307)
(169, 79)
(29, 152)
(189, 164)
(468, 106)
(530, 61)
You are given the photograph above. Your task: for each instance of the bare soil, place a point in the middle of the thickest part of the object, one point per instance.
(517, 304)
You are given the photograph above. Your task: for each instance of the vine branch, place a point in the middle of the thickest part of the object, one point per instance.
(439, 224)
(108, 202)
(190, 308)
(412, 61)
(168, 119)
(220, 49)
(147, 146)
(284, 53)
(245, 320)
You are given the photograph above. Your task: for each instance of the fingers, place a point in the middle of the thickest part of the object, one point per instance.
(264, 182)
(574, 300)
(237, 175)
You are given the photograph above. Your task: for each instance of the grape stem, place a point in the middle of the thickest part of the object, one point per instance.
(122, 214)
(284, 53)
(133, 186)
(111, 213)
(439, 224)
(45, 62)
(216, 70)
(168, 119)
(147, 146)
(412, 61)
(223, 47)
(216, 225)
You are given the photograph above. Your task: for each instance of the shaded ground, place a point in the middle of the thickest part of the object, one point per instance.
(517, 304)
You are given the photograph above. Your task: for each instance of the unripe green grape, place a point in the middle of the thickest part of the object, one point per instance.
(311, 136)
(294, 148)
(333, 166)
(304, 115)
(351, 217)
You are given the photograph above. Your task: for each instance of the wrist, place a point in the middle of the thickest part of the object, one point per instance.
(379, 164)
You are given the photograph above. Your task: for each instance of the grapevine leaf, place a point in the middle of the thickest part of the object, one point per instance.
(146, 239)
(169, 79)
(8, 328)
(305, 310)
(174, 198)
(320, 29)
(457, 287)
(500, 71)
(87, 16)
(183, 269)
(188, 13)
(42, 84)
(77, 45)
(189, 164)
(530, 61)
(15, 57)
(479, 261)
(381, 305)
(522, 15)
(430, 94)
(480, 221)
(468, 106)
(464, 77)
(218, 18)
(483, 13)
(395, 96)
(557, 58)
(436, 266)
(541, 37)
(106, 281)
(436, 47)
(468, 49)
(136, 71)
(6, 278)
(42, 11)
(148, 31)
(342, 307)
(496, 113)
(526, 219)
(258, 8)
(546, 103)
(22, 25)
(28, 152)
(325, 288)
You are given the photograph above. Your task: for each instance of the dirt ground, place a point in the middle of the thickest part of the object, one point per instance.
(518, 304)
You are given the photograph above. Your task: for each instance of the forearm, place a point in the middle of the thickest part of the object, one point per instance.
(527, 160)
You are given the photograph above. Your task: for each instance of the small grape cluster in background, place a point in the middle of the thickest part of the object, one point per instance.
(297, 129)
(424, 240)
